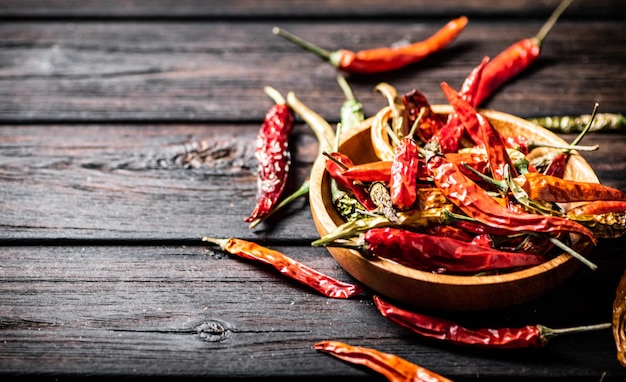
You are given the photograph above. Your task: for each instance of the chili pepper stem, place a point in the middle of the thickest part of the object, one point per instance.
(548, 333)
(321, 52)
(575, 254)
(301, 191)
(220, 242)
(274, 95)
(547, 27)
(588, 126)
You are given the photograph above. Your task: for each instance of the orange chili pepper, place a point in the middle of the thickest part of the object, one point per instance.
(554, 189)
(383, 59)
(391, 366)
(289, 267)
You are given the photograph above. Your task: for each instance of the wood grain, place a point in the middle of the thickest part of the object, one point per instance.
(216, 71)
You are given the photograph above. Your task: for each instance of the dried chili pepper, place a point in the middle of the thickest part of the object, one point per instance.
(324, 133)
(336, 165)
(394, 368)
(289, 267)
(404, 171)
(619, 320)
(449, 136)
(515, 59)
(600, 207)
(440, 253)
(418, 107)
(383, 59)
(272, 152)
(530, 336)
(478, 204)
(482, 132)
(554, 189)
(606, 219)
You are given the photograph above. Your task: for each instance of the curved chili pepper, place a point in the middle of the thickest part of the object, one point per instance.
(383, 59)
(449, 136)
(394, 368)
(482, 132)
(377, 171)
(272, 152)
(336, 165)
(550, 188)
(440, 253)
(606, 219)
(530, 336)
(289, 267)
(515, 59)
(478, 204)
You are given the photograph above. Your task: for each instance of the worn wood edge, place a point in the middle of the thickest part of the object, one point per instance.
(447, 292)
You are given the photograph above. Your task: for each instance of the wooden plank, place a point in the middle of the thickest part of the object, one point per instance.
(189, 311)
(303, 8)
(137, 182)
(165, 181)
(199, 71)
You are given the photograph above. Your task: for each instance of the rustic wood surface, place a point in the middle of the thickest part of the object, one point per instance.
(127, 133)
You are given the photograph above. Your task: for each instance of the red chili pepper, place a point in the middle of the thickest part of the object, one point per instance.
(515, 59)
(272, 152)
(417, 106)
(530, 336)
(482, 132)
(478, 204)
(557, 165)
(377, 171)
(554, 189)
(404, 170)
(449, 136)
(394, 368)
(383, 59)
(336, 166)
(289, 267)
(441, 254)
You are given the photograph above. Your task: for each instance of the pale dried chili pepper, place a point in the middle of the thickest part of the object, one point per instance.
(529, 336)
(515, 59)
(601, 122)
(383, 59)
(287, 266)
(606, 219)
(619, 320)
(272, 152)
(394, 368)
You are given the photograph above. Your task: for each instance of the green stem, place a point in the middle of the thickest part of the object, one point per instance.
(588, 126)
(301, 191)
(274, 95)
(573, 253)
(547, 333)
(323, 53)
(547, 27)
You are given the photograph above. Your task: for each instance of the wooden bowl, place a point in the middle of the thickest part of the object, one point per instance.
(442, 291)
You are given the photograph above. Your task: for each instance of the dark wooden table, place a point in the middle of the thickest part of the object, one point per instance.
(127, 133)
